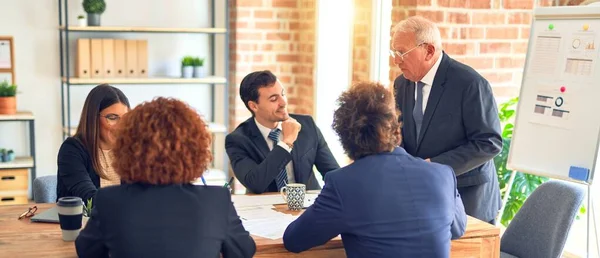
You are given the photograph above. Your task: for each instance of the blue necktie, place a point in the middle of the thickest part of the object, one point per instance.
(418, 110)
(281, 178)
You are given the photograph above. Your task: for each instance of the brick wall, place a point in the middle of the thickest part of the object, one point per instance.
(277, 35)
(361, 43)
(491, 36)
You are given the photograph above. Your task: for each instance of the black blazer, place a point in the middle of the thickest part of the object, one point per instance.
(76, 175)
(461, 129)
(137, 220)
(256, 167)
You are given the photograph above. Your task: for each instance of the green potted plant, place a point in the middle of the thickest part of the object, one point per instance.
(10, 155)
(3, 156)
(94, 8)
(87, 208)
(8, 99)
(199, 70)
(187, 67)
(81, 21)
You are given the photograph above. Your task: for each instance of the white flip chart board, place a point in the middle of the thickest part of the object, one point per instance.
(557, 124)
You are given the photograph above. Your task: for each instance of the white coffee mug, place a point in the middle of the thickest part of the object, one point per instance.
(294, 195)
(70, 214)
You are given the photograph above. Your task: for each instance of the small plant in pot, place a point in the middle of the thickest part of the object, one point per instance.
(94, 8)
(8, 99)
(199, 70)
(187, 67)
(10, 155)
(81, 20)
(87, 209)
(3, 155)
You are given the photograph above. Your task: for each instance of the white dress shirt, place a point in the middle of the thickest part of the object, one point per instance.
(265, 133)
(428, 82)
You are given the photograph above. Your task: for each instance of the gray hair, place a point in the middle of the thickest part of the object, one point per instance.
(425, 31)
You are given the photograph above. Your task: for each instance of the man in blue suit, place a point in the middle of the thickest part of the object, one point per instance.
(387, 203)
(274, 148)
(449, 114)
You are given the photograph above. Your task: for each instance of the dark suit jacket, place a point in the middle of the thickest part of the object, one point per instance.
(76, 175)
(137, 220)
(385, 205)
(256, 167)
(461, 129)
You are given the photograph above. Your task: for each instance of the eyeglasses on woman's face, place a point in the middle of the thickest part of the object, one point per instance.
(111, 119)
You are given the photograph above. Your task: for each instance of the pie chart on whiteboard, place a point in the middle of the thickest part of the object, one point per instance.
(576, 43)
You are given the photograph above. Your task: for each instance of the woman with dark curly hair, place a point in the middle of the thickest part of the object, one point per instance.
(386, 203)
(161, 147)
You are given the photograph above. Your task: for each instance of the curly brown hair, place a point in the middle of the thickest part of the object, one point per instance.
(161, 142)
(366, 120)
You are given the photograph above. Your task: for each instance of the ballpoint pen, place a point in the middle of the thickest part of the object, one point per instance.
(203, 181)
(228, 184)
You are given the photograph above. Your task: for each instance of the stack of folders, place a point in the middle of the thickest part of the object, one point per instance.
(111, 58)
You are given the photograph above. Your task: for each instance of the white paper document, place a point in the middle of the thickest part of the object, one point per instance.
(271, 228)
(264, 221)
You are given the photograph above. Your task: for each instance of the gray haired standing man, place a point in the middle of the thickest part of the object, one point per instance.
(449, 114)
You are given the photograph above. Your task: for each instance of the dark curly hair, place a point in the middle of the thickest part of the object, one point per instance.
(161, 142)
(366, 120)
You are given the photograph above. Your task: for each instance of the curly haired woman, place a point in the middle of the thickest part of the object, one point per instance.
(386, 203)
(161, 147)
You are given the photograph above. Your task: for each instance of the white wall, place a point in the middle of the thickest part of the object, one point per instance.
(334, 66)
(34, 26)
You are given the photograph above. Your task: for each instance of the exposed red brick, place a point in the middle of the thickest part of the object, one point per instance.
(494, 48)
(519, 18)
(249, 3)
(510, 62)
(502, 33)
(470, 4)
(480, 62)
(266, 14)
(435, 16)
(518, 4)
(284, 3)
(519, 47)
(488, 18)
(458, 17)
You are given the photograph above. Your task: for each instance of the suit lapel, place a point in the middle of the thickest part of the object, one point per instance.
(257, 137)
(437, 90)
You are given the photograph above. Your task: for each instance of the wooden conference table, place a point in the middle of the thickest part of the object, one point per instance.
(22, 238)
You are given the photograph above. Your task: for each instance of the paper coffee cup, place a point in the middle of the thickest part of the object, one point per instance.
(70, 213)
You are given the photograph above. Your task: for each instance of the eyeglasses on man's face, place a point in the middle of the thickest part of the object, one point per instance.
(29, 213)
(111, 119)
(396, 53)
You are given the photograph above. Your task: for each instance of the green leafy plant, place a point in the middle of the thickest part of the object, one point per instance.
(94, 6)
(198, 61)
(7, 90)
(187, 61)
(87, 209)
(523, 184)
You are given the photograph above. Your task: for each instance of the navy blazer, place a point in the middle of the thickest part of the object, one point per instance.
(385, 205)
(256, 167)
(460, 129)
(76, 175)
(140, 220)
